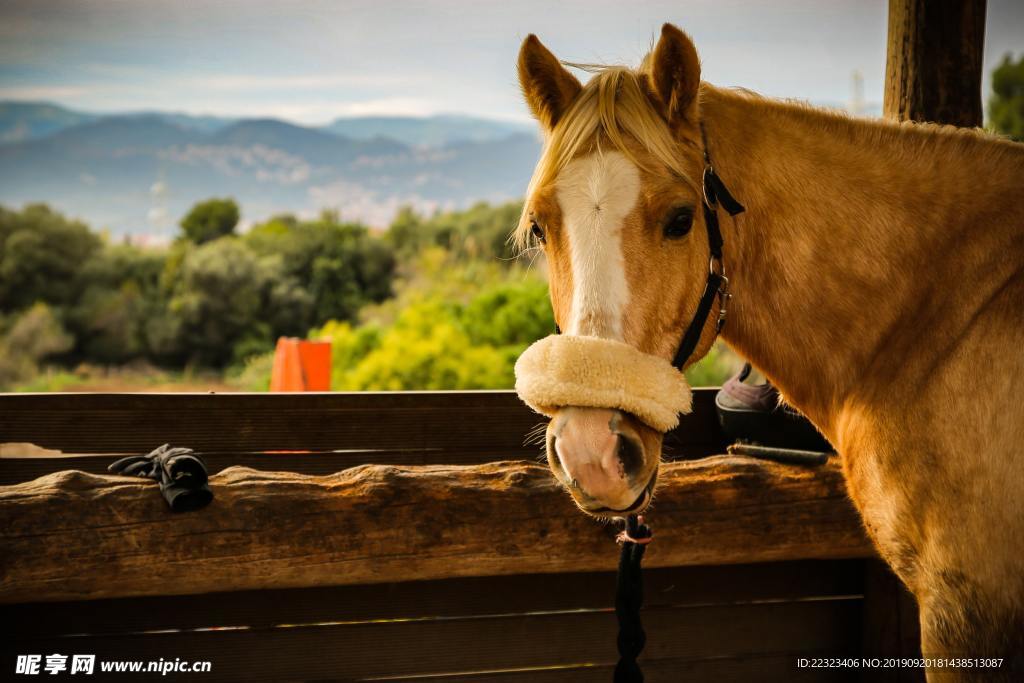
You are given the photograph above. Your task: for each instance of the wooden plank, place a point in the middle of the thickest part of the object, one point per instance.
(934, 60)
(64, 535)
(471, 596)
(890, 622)
(131, 423)
(315, 401)
(136, 423)
(450, 646)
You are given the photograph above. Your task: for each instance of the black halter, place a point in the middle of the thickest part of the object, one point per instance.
(717, 285)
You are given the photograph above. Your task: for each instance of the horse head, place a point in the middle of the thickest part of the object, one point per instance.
(615, 204)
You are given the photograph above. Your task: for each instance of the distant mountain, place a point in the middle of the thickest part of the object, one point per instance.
(429, 131)
(20, 121)
(310, 144)
(201, 123)
(140, 173)
(133, 131)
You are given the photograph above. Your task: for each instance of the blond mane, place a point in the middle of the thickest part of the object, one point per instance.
(613, 108)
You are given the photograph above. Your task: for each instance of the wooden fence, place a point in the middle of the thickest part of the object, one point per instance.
(413, 536)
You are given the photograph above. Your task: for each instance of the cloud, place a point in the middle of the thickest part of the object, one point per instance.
(316, 113)
(305, 81)
(43, 92)
(168, 77)
(395, 106)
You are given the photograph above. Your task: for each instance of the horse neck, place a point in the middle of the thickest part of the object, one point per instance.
(852, 239)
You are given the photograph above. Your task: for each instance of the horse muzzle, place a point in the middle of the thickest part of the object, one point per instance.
(610, 403)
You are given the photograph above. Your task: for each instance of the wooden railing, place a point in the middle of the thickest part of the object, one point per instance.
(355, 536)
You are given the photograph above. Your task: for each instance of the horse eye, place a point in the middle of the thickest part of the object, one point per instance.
(537, 231)
(679, 223)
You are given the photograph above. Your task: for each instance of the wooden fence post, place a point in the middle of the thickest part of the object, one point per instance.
(933, 61)
(890, 624)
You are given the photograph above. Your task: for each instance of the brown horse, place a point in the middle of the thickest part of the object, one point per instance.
(878, 281)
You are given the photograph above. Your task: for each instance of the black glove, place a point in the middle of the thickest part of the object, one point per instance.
(179, 471)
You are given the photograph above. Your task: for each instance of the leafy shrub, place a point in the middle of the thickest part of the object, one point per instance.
(210, 220)
(29, 338)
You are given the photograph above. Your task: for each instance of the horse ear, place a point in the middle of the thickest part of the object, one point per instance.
(548, 87)
(675, 75)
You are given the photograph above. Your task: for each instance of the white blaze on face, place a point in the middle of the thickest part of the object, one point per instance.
(595, 194)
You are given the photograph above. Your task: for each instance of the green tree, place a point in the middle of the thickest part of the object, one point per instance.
(119, 297)
(434, 341)
(483, 231)
(1006, 104)
(30, 337)
(407, 232)
(215, 301)
(229, 303)
(208, 220)
(509, 314)
(426, 348)
(41, 254)
(341, 264)
(479, 232)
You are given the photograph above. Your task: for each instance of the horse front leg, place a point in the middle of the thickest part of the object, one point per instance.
(954, 556)
(971, 636)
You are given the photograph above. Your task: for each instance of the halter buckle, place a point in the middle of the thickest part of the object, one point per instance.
(720, 271)
(723, 291)
(723, 297)
(710, 199)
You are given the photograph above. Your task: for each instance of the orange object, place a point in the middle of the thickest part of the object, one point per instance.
(301, 365)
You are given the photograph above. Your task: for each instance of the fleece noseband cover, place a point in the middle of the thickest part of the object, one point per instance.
(566, 370)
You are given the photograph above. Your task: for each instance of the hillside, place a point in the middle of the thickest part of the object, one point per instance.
(139, 173)
(428, 131)
(20, 121)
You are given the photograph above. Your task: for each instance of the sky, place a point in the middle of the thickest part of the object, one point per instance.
(310, 61)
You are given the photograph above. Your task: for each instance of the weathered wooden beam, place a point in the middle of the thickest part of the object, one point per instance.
(434, 421)
(933, 61)
(72, 535)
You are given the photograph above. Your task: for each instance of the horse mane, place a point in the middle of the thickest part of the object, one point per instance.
(613, 107)
(911, 137)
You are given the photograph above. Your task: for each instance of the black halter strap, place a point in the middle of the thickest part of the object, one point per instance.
(717, 285)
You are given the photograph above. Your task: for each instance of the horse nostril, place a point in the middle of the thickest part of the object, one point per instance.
(631, 455)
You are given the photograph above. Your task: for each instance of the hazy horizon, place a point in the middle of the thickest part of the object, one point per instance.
(517, 121)
(313, 61)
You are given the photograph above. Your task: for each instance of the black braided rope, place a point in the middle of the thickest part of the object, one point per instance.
(629, 598)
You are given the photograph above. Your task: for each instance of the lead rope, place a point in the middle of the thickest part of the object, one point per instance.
(629, 598)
